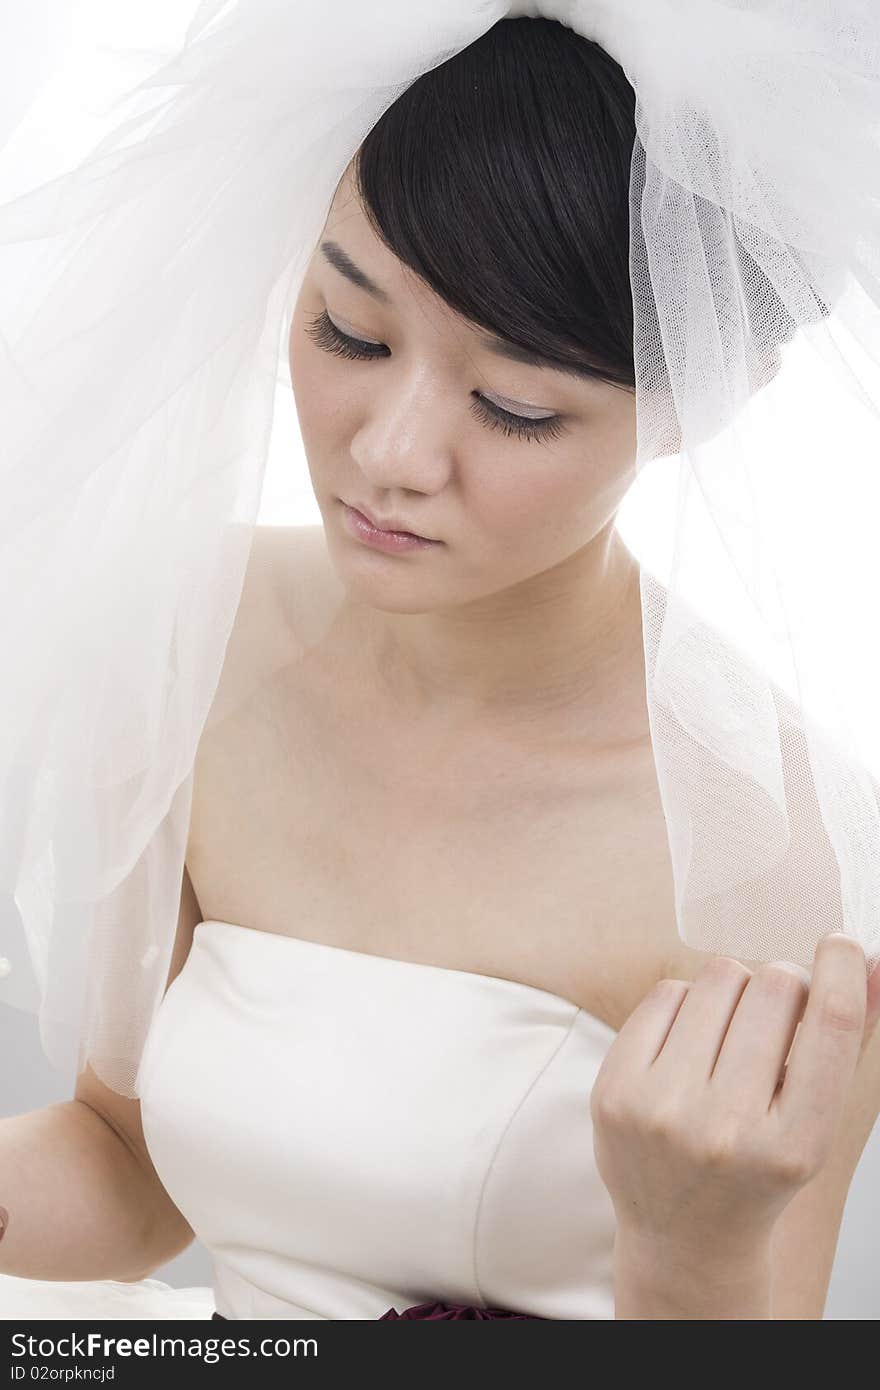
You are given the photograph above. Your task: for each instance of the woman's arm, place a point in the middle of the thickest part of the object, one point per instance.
(81, 1203)
(650, 1283)
(83, 1198)
(806, 1234)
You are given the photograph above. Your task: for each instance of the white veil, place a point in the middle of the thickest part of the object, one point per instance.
(145, 298)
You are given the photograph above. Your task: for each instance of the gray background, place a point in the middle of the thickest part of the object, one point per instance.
(28, 1082)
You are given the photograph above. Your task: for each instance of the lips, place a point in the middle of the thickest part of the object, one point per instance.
(390, 542)
(391, 523)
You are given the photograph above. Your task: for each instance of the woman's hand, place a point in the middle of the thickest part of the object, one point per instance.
(702, 1134)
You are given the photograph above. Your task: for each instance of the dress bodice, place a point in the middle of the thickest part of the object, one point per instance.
(349, 1132)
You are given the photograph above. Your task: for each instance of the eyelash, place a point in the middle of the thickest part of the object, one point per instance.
(324, 332)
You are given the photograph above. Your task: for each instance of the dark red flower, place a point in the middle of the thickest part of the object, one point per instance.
(448, 1311)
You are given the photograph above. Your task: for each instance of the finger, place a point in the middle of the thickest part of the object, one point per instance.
(872, 1011)
(692, 1046)
(826, 1050)
(761, 1033)
(645, 1030)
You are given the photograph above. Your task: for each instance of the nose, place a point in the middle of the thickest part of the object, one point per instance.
(404, 439)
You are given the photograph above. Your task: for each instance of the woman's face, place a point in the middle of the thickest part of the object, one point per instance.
(415, 432)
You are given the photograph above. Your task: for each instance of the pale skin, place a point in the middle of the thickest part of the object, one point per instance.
(487, 697)
(703, 1133)
(528, 559)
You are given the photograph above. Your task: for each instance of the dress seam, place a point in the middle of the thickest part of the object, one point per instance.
(491, 1164)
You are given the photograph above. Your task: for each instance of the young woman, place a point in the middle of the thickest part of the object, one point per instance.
(431, 1038)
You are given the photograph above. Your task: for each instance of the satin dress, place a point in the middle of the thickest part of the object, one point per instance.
(352, 1136)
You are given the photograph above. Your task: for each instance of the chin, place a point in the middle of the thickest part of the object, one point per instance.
(375, 594)
(386, 591)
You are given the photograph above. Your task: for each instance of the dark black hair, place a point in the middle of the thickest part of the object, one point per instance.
(501, 177)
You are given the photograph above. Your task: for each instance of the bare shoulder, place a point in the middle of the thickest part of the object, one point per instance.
(288, 596)
(288, 593)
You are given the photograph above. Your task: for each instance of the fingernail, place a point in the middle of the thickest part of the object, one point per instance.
(4, 1221)
(844, 936)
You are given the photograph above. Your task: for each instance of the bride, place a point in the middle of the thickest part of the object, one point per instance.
(427, 989)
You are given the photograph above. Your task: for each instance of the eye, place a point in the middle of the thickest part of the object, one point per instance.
(551, 427)
(323, 331)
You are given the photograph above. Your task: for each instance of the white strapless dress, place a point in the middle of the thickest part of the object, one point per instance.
(348, 1133)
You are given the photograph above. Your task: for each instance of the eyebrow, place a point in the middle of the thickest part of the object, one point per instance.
(499, 347)
(342, 262)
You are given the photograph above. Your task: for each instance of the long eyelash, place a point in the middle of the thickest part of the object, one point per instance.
(509, 424)
(323, 331)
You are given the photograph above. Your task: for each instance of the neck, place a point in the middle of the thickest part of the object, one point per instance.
(568, 638)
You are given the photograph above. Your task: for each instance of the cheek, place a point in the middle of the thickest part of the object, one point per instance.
(316, 396)
(533, 498)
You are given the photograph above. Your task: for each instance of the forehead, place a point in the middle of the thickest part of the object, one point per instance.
(349, 227)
